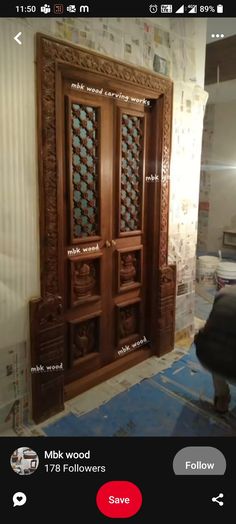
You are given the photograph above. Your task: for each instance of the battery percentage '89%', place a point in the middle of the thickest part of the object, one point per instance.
(207, 9)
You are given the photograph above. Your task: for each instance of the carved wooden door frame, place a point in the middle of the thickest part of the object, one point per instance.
(47, 328)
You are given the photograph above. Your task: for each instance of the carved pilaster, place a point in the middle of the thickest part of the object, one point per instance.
(166, 309)
(47, 356)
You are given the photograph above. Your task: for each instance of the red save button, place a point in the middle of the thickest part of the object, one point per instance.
(119, 499)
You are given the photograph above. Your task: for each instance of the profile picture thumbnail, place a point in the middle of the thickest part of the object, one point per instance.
(24, 461)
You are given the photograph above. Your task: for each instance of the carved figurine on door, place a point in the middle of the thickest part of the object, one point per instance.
(84, 340)
(127, 322)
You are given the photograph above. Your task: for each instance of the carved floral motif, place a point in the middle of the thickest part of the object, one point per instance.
(50, 311)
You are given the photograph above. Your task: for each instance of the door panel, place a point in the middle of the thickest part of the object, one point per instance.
(129, 292)
(87, 204)
(103, 210)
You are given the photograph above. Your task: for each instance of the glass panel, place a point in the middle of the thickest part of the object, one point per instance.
(84, 170)
(131, 173)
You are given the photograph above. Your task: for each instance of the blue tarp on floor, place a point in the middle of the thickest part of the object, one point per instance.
(176, 402)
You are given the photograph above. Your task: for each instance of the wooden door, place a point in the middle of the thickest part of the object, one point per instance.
(103, 184)
(107, 296)
(129, 322)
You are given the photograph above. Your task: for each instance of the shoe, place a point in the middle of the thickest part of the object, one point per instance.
(221, 403)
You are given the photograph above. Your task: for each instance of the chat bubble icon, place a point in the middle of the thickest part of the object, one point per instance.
(19, 499)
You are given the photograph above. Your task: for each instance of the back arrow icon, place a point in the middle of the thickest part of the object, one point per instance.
(16, 38)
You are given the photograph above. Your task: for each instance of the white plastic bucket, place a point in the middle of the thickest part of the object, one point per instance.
(226, 274)
(206, 270)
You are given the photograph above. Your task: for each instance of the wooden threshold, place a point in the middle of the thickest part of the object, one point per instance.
(110, 370)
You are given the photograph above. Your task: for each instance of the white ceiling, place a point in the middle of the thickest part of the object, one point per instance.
(226, 26)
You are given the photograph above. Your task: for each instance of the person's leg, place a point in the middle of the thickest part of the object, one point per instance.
(222, 394)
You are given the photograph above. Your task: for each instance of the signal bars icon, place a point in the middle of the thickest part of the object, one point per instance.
(191, 9)
(180, 10)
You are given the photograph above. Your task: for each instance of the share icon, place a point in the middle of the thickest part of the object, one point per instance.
(215, 499)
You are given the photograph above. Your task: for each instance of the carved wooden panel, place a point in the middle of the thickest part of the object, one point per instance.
(165, 179)
(131, 173)
(129, 268)
(128, 321)
(85, 279)
(166, 308)
(84, 337)
(47, 350)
